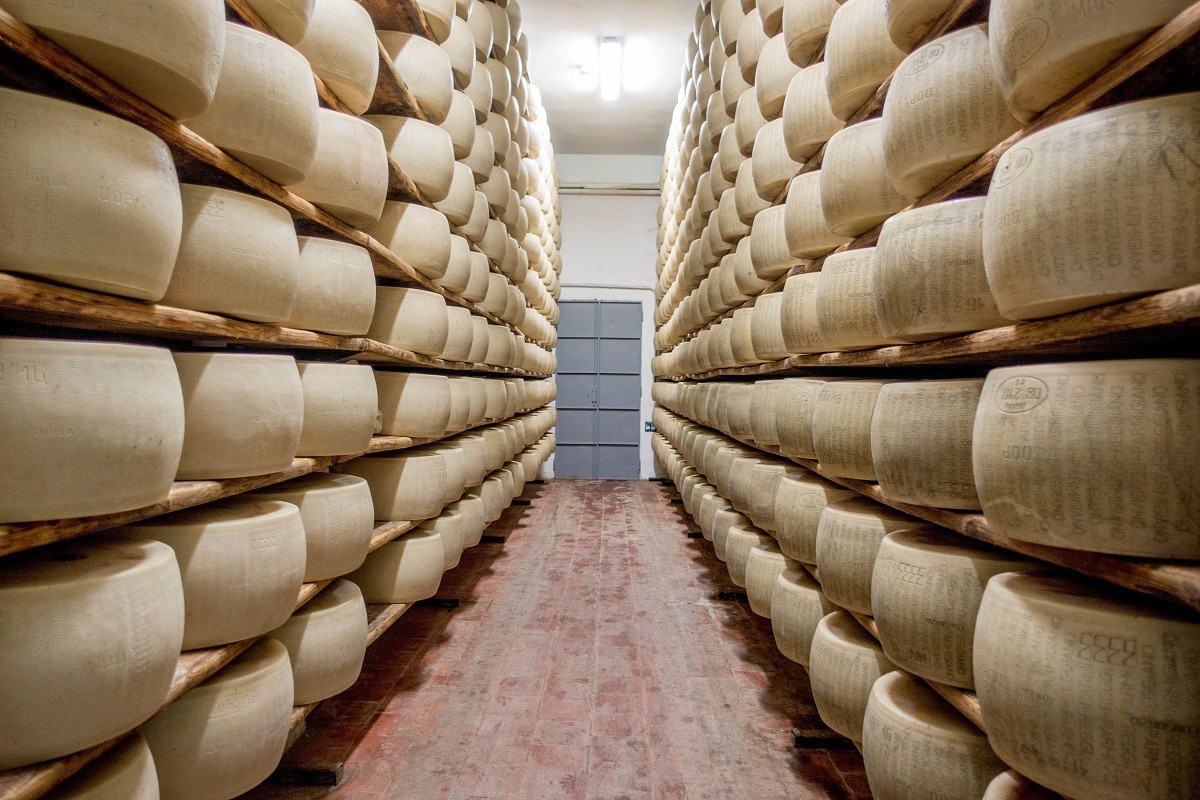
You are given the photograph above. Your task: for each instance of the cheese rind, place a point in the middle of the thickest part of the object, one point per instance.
(326, 640)
(856, 192)
(841, 428)
(843, 665)
(336, 289)
(406, 570)
(860, 54)
(846, 312)
(764, 565)
(797, 606)
(349, 174)
(848, 539)
(341, 45)
(799, 503)
(124, 773)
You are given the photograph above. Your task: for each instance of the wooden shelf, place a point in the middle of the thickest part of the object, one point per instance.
(397, 15)
(389, 531)
(32, 300)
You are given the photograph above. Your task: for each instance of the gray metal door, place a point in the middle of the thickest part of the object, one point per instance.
(599, 390)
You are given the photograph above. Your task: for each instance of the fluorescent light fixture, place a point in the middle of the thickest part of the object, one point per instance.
(610, 68)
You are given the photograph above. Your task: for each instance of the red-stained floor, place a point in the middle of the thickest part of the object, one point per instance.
(590, 658)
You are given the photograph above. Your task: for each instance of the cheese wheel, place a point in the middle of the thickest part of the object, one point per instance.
(420, 236)
(764, 565)
(856, 193)
(459, 202)
(773, 76)
(794, 415)
(501, 30)
(477, 284)
(739, 541)
(915, 744)
(1013, 786)
(225, 736)
(848, 539)
(279, 139)
(925, 594)
(1053, 446)
(771, 13)
(748, 121)
(845, 300)
(807, 229)
(326, 640)
(482, 157)
(860, 54)
(338, 519)
(423, 151)
(1124, 664)
(930, 279)
(349, 174)
(438, 15)
(808, 120)
(404, 486)
(238, 256)
(798, 314)
(800, 501)
(944, 110)
(460, 335)
(769, 254)
(1105, 171)
(745, 278)
(910, 21)
(243, 414)
(449, 527)
(336, 288)
(470, 507)
(460, 404)
(86, 428)
(750, 43)
(729, 22)
(459, 45)
(288, 19)
(341, 46)
(168, 54)
(414, 404)
(1043, 53)
(764, 483)
(242, 562)
(425, 69)
(805, 26)
(724, 521)
(843, 665)
(479, 91)
(797, 606)
(841, 428)
(460, 124)
(771, 163)
(764, 401)
(99, 209)
(410, 319)
(921, 442)
(121, 603)
(126, 772)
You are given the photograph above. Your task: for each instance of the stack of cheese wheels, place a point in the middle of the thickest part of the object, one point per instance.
(930, 279)
(925, 594)
(915, 744)
(242, 562)
(406, 570)
(798, 319)
(805, 26)
(425, 69)
(340, 406)
(800, 501)
(764, 565)
(349, 174)
(1127, 664)
(418, 235)
(845, 301)
(797, 606)
(739, 541)
(289, 19)
(414, 404)
(404, 486)
(326, 640)
(168, 55)
(244, 414)
(338, 520)
(239, 256)
(1042, 260)
(843, 665)
(246, 707)
(841, 427)
(947, 81)
(856, 193)
(336, 288)
(411, 319)
(860, 54)
(88, 428)
(1042, 56)
(126, 772)
(808, 120)
(1048, 473)
(279, 139)
(848, 539)
(100, 209)
(60, 694)
(341, 46)
(921, 442)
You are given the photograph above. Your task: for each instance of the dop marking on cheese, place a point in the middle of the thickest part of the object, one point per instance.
(1020, 394)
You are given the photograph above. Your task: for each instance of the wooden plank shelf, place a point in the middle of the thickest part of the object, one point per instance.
(397, 15)
(36, 301)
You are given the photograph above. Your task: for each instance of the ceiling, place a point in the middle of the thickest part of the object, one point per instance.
(564, 35)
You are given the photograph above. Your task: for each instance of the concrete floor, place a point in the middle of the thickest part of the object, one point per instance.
(590, 658)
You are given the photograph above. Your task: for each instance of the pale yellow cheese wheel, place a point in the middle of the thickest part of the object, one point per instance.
(479, 91)
(856, 193)
(773, 76)
(277, 138)
(336, 288)
(340, 406)
(478, 282)
(473, 522)
(748, 121)
(418, 235)
(769, 253)
(841, 427)
(764, 565)
(1127, 666)
(860, 54)
(724, 521)
(800, 501)
(848, 539)
(798, 315)
(341, 45)
(169, 53)
(326, 641)
(921, 442)
(91, 633)
(482, 157)
(425, 69)
(459, 45)
(461, 335)
(404, 486)
(944, 110)
(845, 301)
(225, 736)
(459, 203)
(411, 319)
(423, 151)
(797, 606)
(764, 483)
(808, 120)
(242, 562)
(794, 416)
(338, 519)
(97, 207)
(751, 41)
(449, 528)
(288, 19)
(460, 124)
(910, 21)
(808, 231)
(916, 745)
(438, 15)
(413, 404)
(1014, 786)
(766, 397)
(86, 428)
(925, 595)
(124, 773)
(930, 279)
(844, 663)
(1072, 209)
(349, 174)
(739, 541)
(239, 256)
(805, 26)
(1092, 455)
